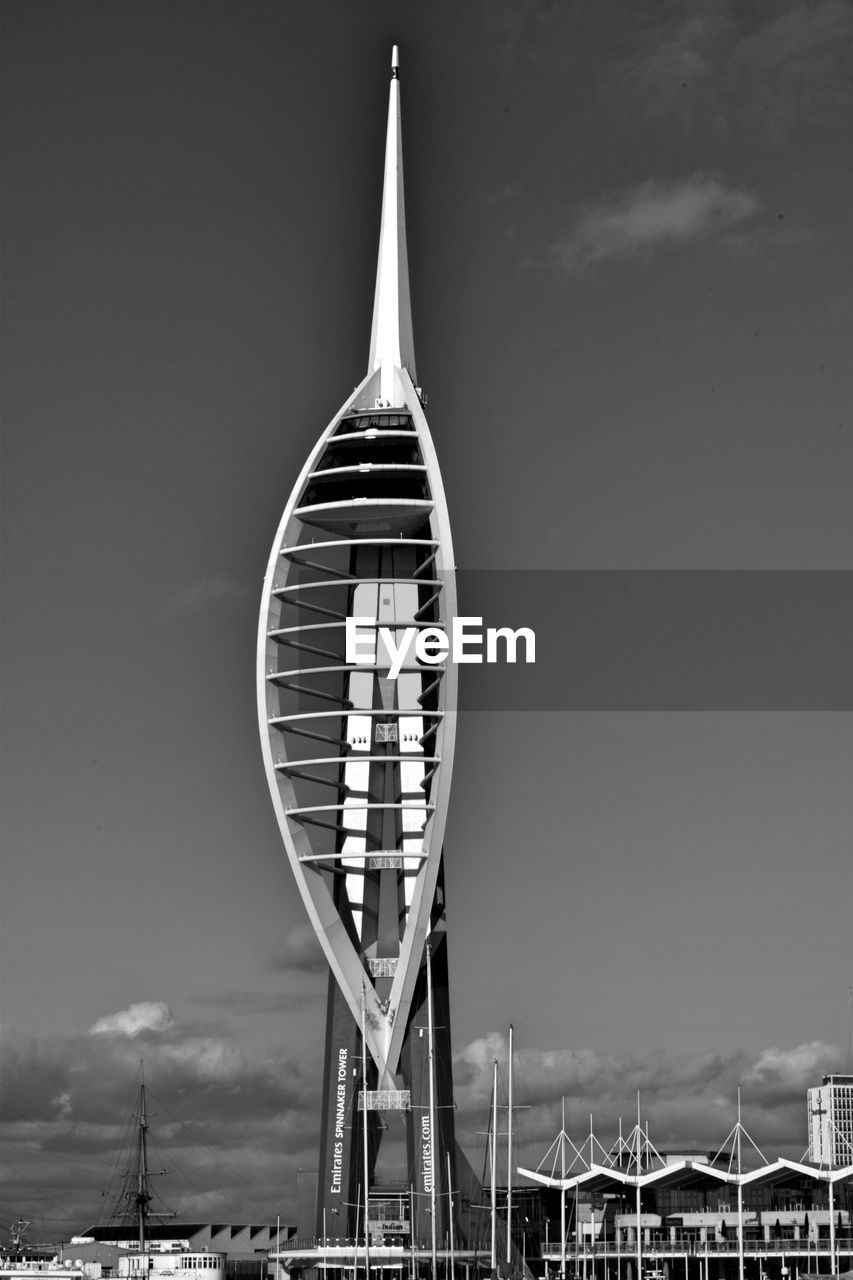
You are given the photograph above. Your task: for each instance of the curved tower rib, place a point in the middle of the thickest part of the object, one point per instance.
(359, 765)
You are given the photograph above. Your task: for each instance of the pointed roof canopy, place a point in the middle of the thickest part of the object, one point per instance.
(391, 342)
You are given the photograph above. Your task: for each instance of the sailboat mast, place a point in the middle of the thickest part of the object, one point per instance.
(365, 1133)
(142, 1192)
(432, 1142)
(509, 1158)
(741, 1263)
(639, 1170)
(563, 1194)
(495, 1170)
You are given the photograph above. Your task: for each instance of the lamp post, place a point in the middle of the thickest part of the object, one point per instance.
(325, 1233)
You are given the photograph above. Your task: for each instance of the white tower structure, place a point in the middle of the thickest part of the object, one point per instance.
(358, 764)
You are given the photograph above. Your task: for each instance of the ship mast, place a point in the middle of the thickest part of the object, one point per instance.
(132, 1208)
(142, 1197)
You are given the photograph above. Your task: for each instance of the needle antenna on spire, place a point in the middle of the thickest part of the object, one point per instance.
(391, 340)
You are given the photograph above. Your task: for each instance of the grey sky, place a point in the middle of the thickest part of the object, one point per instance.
(630, 260)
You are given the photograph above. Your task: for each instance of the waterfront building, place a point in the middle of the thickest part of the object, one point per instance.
(726, 1213)
(830, 1121)
(178, 1249)
(359, 764)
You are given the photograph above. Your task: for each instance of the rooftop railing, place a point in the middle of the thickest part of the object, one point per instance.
(551, 1249)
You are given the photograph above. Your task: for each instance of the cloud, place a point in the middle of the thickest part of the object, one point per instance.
(689, 1100)
(721, 63)
(301, 952)
(228, 1122)
(231, 1120)
(674, 66)
(718, 67)
(783, 1069)
(652, 216)
(798, 61)
(146, 1016)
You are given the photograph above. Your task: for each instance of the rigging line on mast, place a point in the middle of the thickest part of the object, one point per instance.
(237, 1178)
(196, 1187)
(122, 1157)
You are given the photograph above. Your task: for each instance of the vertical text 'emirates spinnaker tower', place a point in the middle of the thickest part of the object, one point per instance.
(358, 764)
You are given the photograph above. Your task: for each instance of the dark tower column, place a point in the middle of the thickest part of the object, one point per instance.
(339, 1173)
(430, 1146)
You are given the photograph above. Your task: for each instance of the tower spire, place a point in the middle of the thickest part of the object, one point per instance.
(391, 342)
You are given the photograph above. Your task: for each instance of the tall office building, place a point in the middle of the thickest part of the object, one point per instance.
(359, 764)
(830, 1120)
